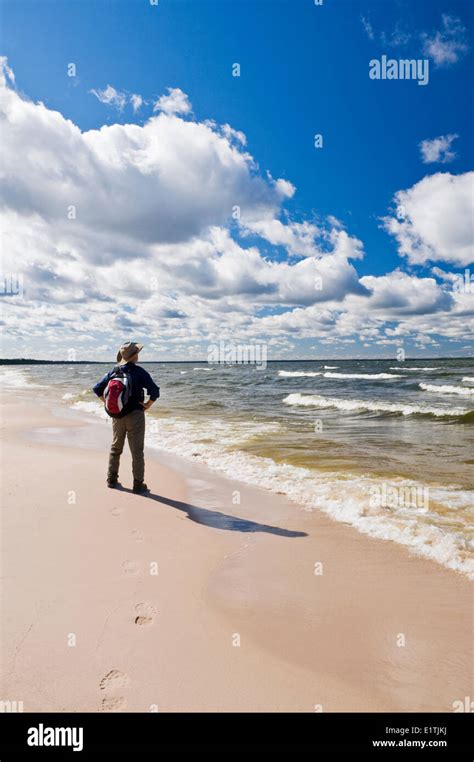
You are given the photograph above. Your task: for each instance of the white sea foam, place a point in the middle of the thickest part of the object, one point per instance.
(468, 380)
(344, 497)
(297, 373)
(415, 370)
(68, 396)
(381, 376)
(300, 373)
(445, 389)
(316, 400)
(96, 408)
(17, 378)
(330, 367)
(205, 369)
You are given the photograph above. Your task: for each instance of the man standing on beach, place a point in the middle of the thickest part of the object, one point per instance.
(129, 420)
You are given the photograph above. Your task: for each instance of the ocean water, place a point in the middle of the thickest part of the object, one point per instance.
(383, 446)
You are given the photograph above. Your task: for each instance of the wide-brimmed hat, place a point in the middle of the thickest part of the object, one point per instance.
(127, 350)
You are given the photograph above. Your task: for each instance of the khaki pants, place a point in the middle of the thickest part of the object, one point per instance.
(131, 426)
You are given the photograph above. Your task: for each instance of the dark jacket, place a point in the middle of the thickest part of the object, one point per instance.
(141, 380)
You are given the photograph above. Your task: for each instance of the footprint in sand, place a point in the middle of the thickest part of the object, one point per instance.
(137, 535)
(145, 613)
(131, 567)
(117, 510)
(113, 682)
(113, 704)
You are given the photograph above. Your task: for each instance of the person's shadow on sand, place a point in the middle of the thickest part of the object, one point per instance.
(218, 520)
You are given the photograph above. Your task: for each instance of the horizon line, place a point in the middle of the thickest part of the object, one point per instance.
(25, 360)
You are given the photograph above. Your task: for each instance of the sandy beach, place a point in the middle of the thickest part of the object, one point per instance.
(206, 595)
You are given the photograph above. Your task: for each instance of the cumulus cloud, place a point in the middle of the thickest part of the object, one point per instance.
(448, 44)
(297, 237)
(438, 150)
(306, 239)
(128, 230)
(445, 276)
(433, 220)
(398, 294)
(215, 267)
(176, 102)
(164, 182)
(231, 134)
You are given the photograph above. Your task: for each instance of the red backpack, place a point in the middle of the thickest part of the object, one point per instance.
(117, 392)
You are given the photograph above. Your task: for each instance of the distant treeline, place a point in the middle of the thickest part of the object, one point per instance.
(27, 361)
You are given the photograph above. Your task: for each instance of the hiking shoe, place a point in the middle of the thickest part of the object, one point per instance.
(140, 488)
(113, 483)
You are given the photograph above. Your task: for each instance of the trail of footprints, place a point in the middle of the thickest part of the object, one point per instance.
(114, 683)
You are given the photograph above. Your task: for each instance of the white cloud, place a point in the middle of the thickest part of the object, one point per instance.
(110, 96)
(162, 182)
(306, 239)
(367, 27)
(286, 188)
(447, 45)
(398, 37)
(448, 277)
(438, 149)
(434, 220)
(176, 102)
(136, 101)
(7, 76)
(297, 237)
(231, 134)
(398, 294)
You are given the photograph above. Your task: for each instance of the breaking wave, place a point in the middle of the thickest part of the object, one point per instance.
(381, 376)
(357, 406)
(446, 389)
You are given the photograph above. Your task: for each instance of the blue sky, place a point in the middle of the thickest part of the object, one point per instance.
(303, 70)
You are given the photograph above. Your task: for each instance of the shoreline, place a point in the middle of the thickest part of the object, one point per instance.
(319, 623)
